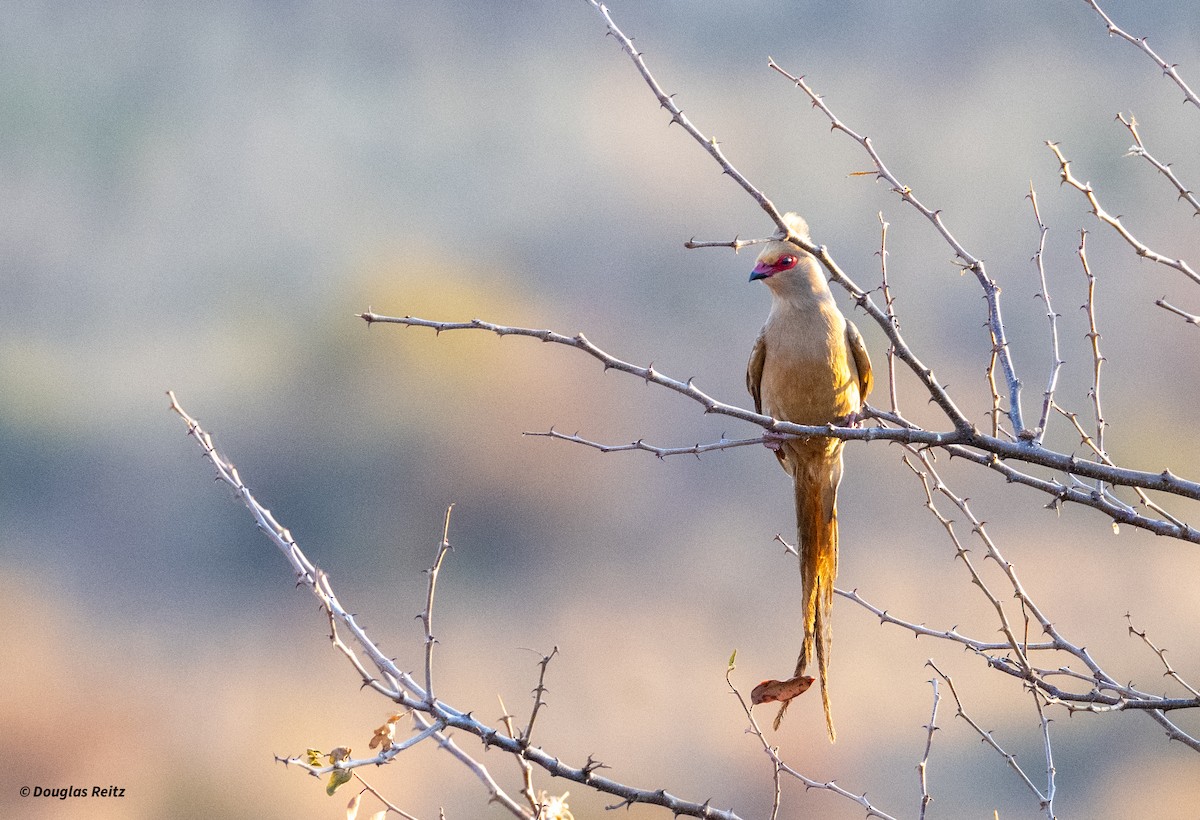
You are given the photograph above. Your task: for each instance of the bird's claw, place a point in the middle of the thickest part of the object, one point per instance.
(773, 441)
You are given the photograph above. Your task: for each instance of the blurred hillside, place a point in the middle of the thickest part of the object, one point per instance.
(200, 199)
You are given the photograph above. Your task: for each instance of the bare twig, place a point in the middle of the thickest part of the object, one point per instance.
(662, 452)
(1162, 656)
(498, 795)
(890, 309)
(932, 483)
(1097, 701)
(1091, 444)
(1167, 69)
(923, 765)
(1048, 751)
(1051, 316)
(772, 752)
(1125, 698)
(390, 805)
(1104, 216)
(526, 767)
(430, 714)
(667, 101)
(968, 261)
(1093, 336)
(539, 694)
(1138, 149)
(975, 645)
(736, 244)
(994, 448)
(779, 767)
(987, 737)
(427, 613)
(860, 296)
(1190, 318)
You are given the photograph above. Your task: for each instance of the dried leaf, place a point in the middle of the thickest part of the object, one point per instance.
(782, 691)
(352, 806)
(314, 756)
(339, 754)
(385, 735)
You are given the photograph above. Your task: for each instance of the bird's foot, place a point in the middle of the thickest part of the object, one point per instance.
(852, 419)
(773, 441)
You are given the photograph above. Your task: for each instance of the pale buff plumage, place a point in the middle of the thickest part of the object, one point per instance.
(808, 366)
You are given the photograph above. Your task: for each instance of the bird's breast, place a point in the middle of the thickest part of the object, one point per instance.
(808, 375)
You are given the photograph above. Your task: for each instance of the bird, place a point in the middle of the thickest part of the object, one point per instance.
(809, 365)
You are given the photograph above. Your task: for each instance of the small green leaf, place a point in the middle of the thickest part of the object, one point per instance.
(732, 658)
(336, 778)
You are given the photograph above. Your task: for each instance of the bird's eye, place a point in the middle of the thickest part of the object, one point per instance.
(786, 262)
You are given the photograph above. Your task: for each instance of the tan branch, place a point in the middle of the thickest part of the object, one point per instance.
(1138, 149)
(923, 765)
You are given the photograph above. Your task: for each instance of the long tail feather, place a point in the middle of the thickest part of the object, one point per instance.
(816, 486)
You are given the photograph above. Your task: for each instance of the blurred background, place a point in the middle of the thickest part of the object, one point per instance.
(201, 198)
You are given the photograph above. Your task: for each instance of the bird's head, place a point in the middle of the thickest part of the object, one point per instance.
(780, 256)
(775, 260)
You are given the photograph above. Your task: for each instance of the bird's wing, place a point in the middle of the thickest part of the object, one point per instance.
(754, 371)
(862, 361)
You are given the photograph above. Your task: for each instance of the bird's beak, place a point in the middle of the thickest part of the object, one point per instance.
(761, 271)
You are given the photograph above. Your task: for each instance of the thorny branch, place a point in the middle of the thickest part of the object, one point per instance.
(986, 737)
(1190, 318)
(1139, 247)
(526, 767)
(1140, 42)
(1162, 656)
(1093, 336)
(861, 297)
(1017, 664)
(995, 448)
(427, 613)
(367, 787)
(779, 767)
(432, 715)
(433, 718)
(968, 261)
(969, 443)
(539, 695)
(923, 765)
(889, 304)
(1138, 149)
(662, 452)
(1051, 316)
